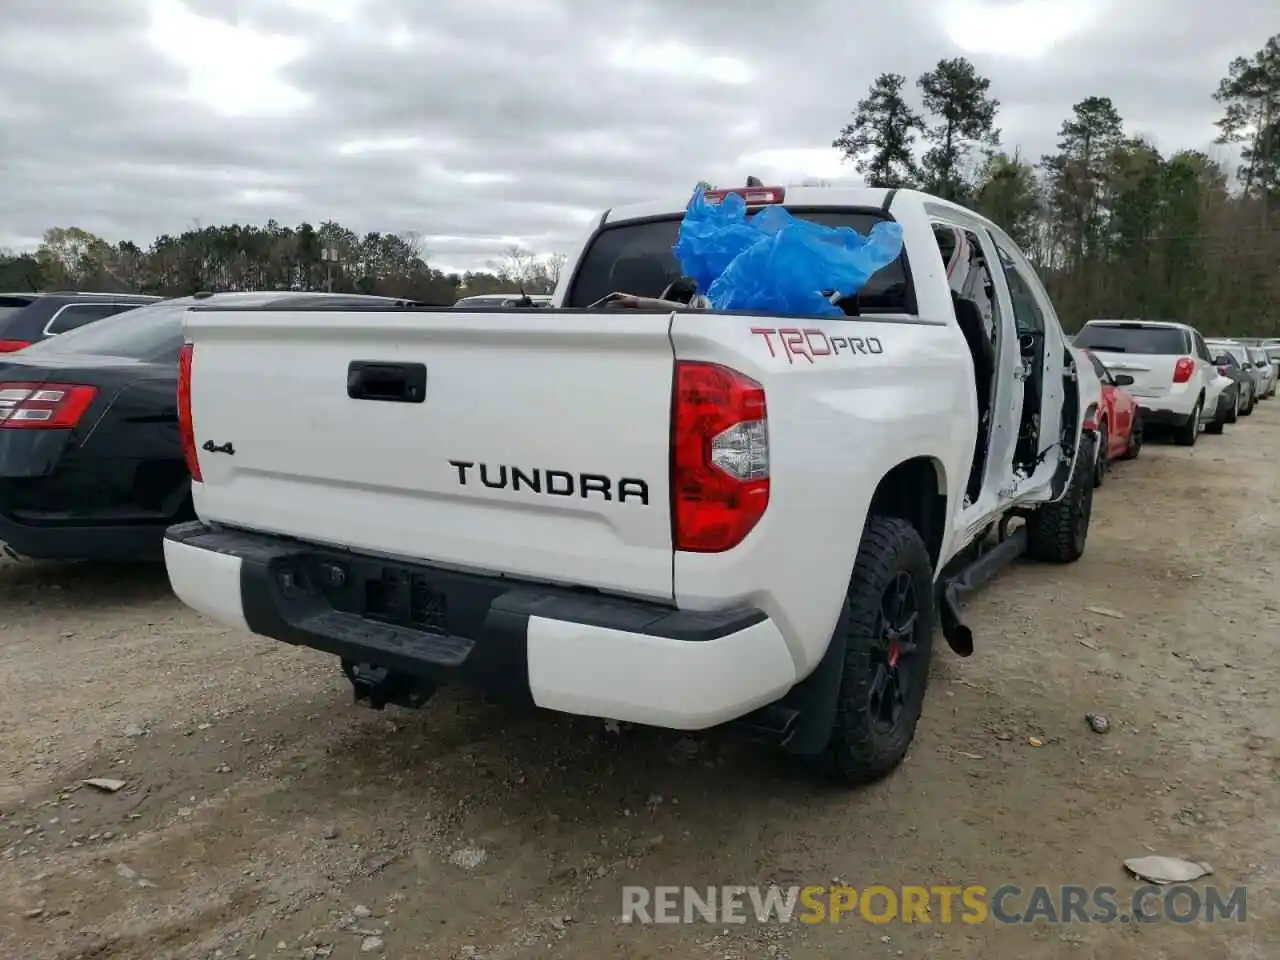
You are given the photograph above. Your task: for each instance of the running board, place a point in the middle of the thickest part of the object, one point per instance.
(954, 589)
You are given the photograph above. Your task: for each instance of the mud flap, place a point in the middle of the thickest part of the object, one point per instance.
(816, 697)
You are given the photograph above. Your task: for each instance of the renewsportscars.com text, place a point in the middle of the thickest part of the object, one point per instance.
(973, 904)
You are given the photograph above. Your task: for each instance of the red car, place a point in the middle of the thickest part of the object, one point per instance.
(1119, 423)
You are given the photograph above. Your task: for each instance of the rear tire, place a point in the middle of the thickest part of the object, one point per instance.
(885, 670)
(1253, 402)
(1135, 438)
(1187, 434)
(1056, 532)
(1219, 423)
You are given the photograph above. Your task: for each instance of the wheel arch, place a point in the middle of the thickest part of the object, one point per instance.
(814, 700)
(915, 490)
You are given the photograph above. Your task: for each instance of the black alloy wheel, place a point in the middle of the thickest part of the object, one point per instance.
(892, 656)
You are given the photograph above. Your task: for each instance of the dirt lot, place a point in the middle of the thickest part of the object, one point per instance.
(265, 816)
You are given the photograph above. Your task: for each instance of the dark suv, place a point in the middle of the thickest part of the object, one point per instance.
(26, 318)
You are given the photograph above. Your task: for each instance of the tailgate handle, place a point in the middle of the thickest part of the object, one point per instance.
(388, 382)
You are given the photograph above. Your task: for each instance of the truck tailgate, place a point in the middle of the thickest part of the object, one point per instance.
(538, 447)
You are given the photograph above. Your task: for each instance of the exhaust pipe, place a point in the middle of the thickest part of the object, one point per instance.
(955, 588)
(957, 633)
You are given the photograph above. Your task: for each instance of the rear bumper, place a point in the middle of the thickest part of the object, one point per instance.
(59, 503)
(1155, 417)
(75, 542)
(557, 648)
(1169, 408)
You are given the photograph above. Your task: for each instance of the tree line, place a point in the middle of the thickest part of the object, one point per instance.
(1115, 227)
(271, 257)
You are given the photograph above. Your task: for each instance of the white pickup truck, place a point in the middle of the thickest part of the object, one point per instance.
(638, 510)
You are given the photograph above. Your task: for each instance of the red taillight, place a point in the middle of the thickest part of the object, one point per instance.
(186, 427)
(754, 196)
(43, 406)
(1224, 370)
(719, 457)
(13, 346)
(1183, 369)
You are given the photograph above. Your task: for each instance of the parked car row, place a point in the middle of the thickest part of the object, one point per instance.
(1269, 349)
(1157, 375)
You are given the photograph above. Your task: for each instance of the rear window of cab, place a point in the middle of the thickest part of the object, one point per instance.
(635, 257)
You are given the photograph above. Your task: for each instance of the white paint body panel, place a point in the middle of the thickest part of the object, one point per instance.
(597, 672)
(835, 429)
(206, 581)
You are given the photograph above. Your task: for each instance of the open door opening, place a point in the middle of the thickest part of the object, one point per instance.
(1029, 324)
(1031, 350)
(972, 297)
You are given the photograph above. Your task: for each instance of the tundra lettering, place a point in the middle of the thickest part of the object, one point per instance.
(810, 343)
(556, 483)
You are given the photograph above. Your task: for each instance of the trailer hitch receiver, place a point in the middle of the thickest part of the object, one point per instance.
(376, 687)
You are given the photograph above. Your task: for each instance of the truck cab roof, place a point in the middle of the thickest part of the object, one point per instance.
(807, 197)
(794, 197)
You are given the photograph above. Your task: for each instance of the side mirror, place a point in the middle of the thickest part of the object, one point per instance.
(1222, 360)
(1122, 379)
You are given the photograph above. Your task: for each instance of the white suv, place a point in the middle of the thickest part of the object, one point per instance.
(1174, 378)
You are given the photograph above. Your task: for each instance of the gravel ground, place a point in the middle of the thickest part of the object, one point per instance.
(263, 815)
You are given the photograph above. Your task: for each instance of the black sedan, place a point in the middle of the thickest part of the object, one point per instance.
(91, 464)
(27, 318)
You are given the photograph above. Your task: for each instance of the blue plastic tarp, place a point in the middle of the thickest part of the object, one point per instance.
(775, 262)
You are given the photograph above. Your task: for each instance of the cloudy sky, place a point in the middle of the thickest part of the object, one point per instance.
(486, 123)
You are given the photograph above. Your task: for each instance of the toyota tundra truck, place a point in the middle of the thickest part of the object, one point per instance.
(636, 508)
